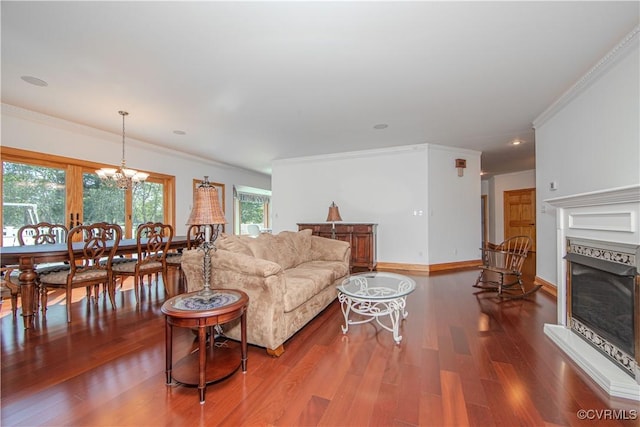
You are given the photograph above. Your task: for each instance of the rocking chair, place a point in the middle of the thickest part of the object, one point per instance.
(502, 268)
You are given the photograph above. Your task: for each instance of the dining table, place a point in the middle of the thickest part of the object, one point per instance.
(27, 258)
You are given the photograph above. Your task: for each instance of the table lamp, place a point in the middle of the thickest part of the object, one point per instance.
(334, 215)
(207, 211)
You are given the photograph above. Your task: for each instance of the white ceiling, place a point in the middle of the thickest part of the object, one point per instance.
(250, 82)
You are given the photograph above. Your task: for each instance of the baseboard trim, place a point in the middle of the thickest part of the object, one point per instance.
(432, 268)
(548, 287)
(398, 266)
(458, 265)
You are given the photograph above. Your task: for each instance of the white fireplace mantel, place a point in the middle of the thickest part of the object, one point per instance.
(612, 217)
(626, 194)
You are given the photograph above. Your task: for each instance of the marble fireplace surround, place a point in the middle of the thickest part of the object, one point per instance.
(608, 216)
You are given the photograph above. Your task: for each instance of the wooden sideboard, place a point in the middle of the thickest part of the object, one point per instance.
(361, 237)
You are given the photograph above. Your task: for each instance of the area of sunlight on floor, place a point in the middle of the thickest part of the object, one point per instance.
(57, 297)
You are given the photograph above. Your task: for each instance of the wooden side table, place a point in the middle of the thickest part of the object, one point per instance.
(193, 310)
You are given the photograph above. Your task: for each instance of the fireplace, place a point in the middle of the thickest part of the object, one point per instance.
(598, 254)
(603, 300)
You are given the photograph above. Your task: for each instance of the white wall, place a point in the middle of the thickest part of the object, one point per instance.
(589, 141)
(484, 187)
(388, 187)
(37, 132)
(455, 223)
(498, 185)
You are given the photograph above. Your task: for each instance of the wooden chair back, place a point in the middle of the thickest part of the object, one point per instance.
(197, 234)
(94, 238)
(510, 254)
(111, 230)
(43, 233)
(154, 239)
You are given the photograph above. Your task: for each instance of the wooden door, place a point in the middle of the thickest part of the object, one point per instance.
(520, 220)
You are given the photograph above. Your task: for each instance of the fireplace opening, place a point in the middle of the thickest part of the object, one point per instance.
(603, 307)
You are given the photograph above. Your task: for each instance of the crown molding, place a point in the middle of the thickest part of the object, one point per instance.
(78, 128)
(455, 150)
(425, 148)
(624, 47)
(353, 154)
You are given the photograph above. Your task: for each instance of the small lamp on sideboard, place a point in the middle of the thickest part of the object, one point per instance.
(332, 217)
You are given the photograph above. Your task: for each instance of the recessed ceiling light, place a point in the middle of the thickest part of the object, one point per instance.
(34, 81)
(516, 142)
(179, 132)
(381, 126)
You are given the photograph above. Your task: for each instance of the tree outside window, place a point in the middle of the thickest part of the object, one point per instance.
(251, 209)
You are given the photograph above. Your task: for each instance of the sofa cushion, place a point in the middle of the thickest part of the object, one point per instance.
(303, 283)
(338, 269)
(300, 241)
(298, 291)
(274, 248)
(233, 243)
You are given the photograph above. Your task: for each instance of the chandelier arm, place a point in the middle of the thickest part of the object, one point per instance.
(123, 178)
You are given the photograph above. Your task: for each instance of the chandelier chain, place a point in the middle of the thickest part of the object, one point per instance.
(123, 114)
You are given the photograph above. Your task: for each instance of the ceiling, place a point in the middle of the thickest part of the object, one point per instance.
(251, 82)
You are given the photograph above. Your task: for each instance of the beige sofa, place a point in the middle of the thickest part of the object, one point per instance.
(289, 277)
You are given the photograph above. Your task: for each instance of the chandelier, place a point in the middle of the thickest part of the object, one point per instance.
(122, 177)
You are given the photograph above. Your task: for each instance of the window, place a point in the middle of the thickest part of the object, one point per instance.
(148, 203)
(37, 187)
(251, 207)
(31, 194)
(101, 202)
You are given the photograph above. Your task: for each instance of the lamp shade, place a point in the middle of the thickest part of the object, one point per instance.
(206, 206)
(334, 213)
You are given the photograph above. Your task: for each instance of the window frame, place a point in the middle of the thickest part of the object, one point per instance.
(237, 213)
(74, 169)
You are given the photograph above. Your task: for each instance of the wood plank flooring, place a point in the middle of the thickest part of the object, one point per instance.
(466, 359)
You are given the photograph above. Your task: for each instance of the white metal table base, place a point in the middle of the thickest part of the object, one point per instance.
(374, 309)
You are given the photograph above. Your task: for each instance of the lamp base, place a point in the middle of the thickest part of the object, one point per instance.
(206, 268)
(205, 292)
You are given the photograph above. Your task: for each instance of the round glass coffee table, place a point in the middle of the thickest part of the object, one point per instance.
(195, 310)
(375, 295)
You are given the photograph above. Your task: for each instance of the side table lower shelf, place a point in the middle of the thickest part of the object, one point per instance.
(222, 362)
(202, 311)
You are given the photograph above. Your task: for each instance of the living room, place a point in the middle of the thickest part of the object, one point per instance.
(586, 140)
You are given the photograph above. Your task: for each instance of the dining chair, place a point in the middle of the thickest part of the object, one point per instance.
(42, 233)
(153, 241)
(196, 235)
(87, 246)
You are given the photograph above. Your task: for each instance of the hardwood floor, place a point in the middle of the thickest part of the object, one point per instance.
(465, 359)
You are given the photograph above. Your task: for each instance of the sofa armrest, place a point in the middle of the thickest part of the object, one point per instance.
(222, 260)
(330, 250)
(263, 281)
(245, 264)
